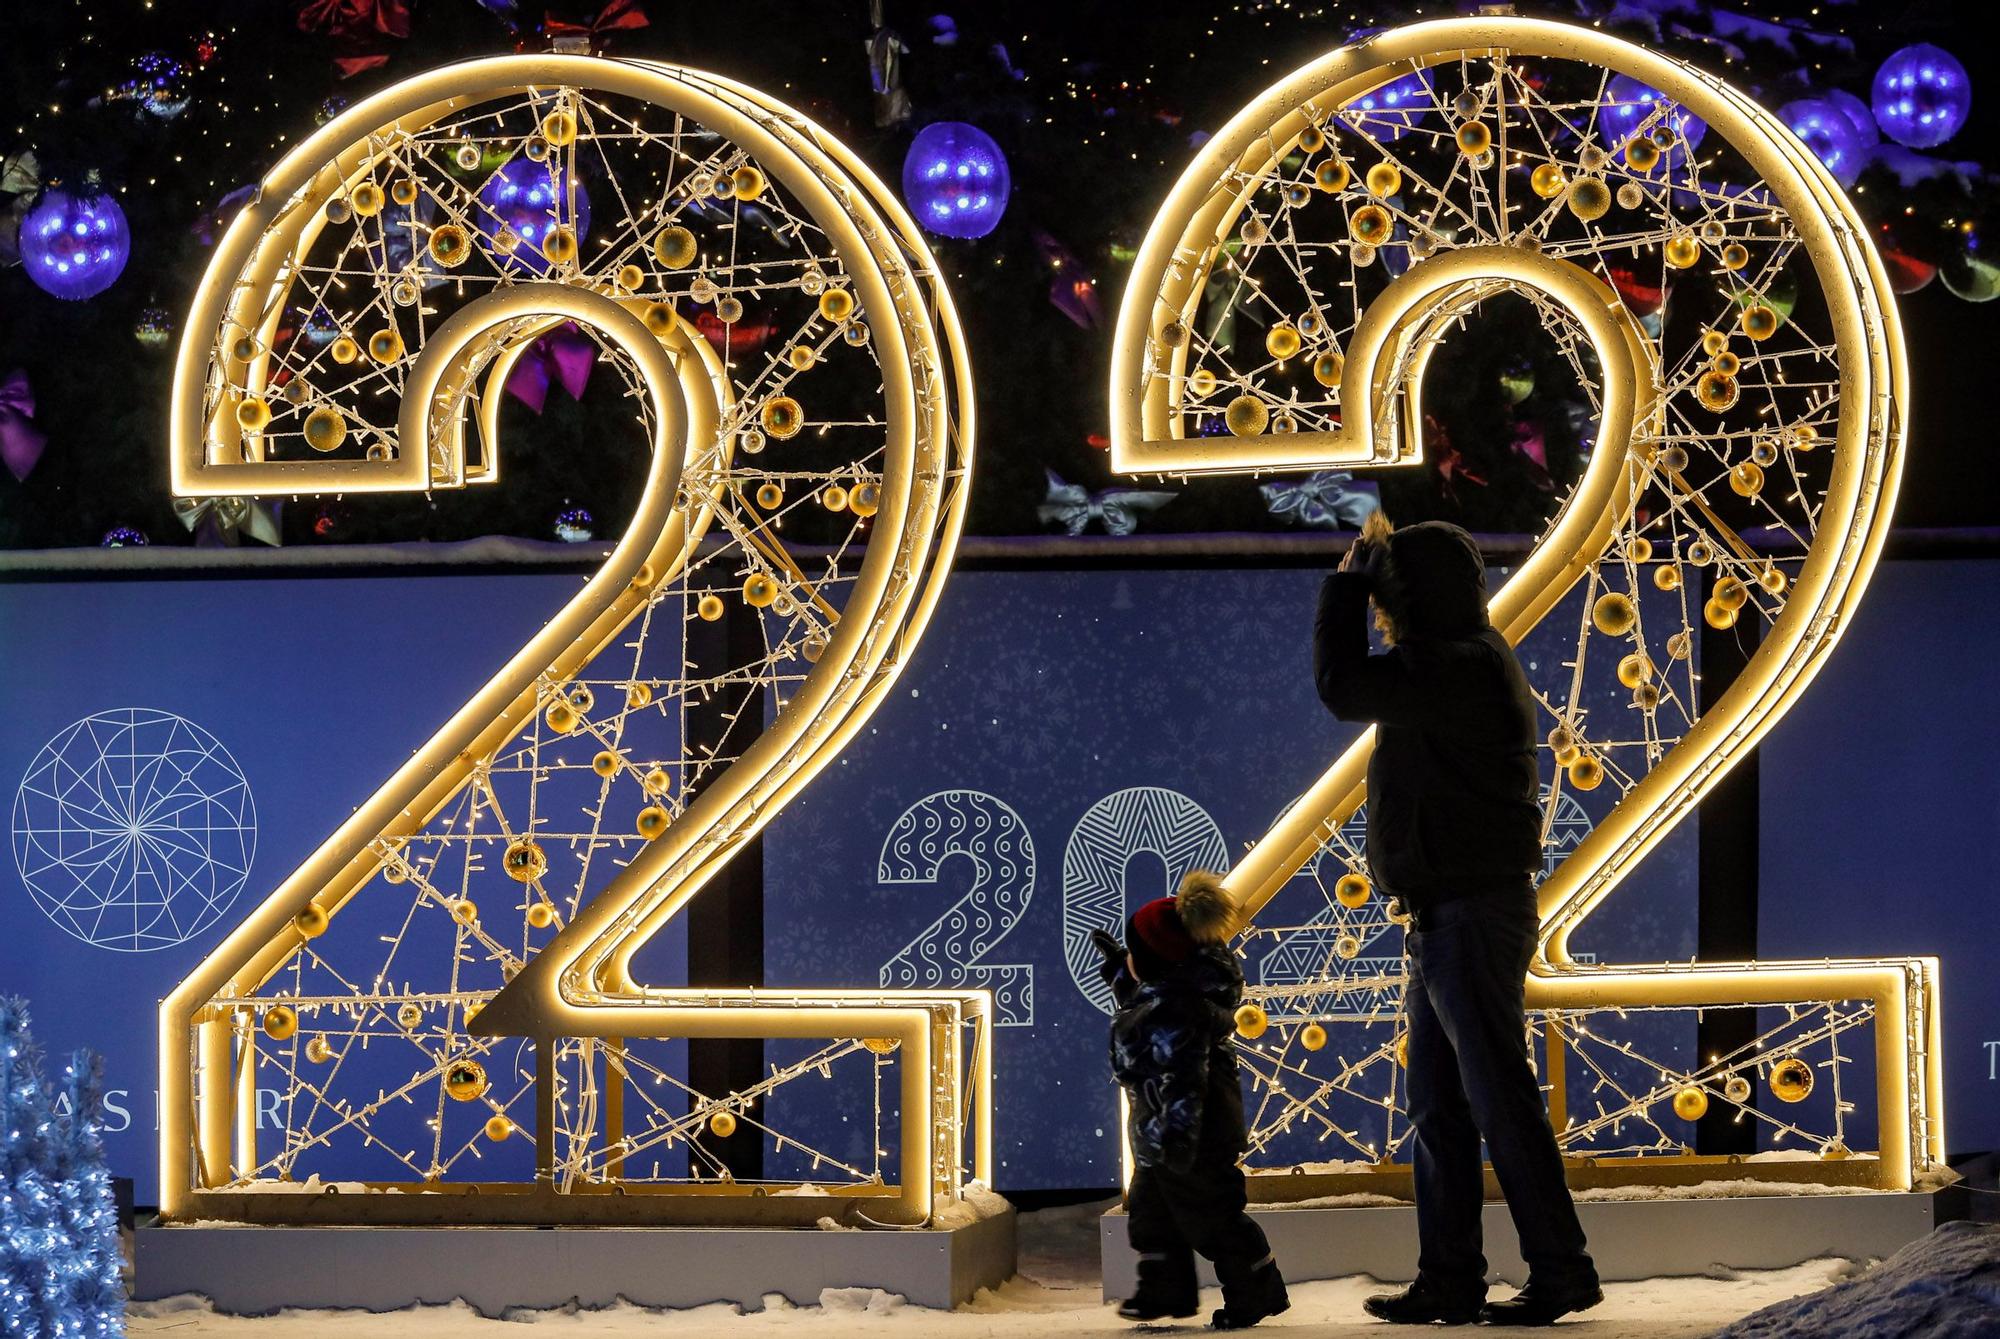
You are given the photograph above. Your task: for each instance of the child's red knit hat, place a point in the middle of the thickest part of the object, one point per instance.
(1157, 938)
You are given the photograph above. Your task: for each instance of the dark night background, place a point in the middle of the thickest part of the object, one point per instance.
(1094, 105)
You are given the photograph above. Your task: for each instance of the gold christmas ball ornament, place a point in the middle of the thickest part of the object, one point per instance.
(1681, 645)
(1614, 614)
(1667, 577)
(1646, 696)
(1726, 363)
(1716, 391)
(1403, 1050)
(1735, 256)
(1384, 180)
(722, 1124)
(656, 781)
(1736, 1088)
(1328, 367)
(1174, 334)
(1347, 946)
(465, 911)
(1474, 138)
(253, 413)
(525, 861)
(366, 199)
(1641, 154)
(1764, 450)
(506, 241)
(540, 915)
(1332, 175)
(801, 356)
(833, 497)
(1772, 580)
(561, 717)
(343, 350)
(1586, 773)
(1313, 1037)
(312, 921)
(1634, 669)
(782, 417)
(1201, 383)
(409, 1016)
(1690, 1103)
(651, 822)
(759, 590)
(1701, 553)
(1804, 437)
(498, 1128)
(1589, 198)
(1791, 1079)
(629, 279)
(1312, 139)
(325, 429)
(1682, 250)
(449, 246)
(1720, 617)
(1731, 593)
(1246, 416)
(746, 182)
(729, 310)
(403, 191)
(319, 1050)
(836, 304)
(1547, 181)
(1284, 422)
(709, 607)
(882, 1045)
(465, 1080)
(1351, 890)
(605, 763)
(1759, 321)
(404, 292)
(1639, 549)
(1562, 740)
(1370, 225)
(638, 696)
(1713, 342)
(385, 346)
(865, 499)
(674, 247)
(814, 648)
(280, 1022)
(770, 495)
(1746, 479)
(661, 318)
(560, 244)
(1282, 340)
(1251, 1020)
(559, 128)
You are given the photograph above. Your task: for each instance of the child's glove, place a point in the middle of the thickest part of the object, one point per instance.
(1111, 950)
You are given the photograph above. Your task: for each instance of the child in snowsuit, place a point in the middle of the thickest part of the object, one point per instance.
(1455, 833)
(1177, 985)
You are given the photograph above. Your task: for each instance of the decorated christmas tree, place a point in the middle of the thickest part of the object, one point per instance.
(59, 1256)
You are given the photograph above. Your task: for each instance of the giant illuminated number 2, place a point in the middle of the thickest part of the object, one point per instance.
(1666, 441)
(694, 160)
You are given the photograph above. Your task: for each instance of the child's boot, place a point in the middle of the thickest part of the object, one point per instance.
(1167, 1287)
(1257, 1296)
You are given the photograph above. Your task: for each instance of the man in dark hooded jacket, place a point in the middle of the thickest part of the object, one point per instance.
(1454, 832)
(1177, 987)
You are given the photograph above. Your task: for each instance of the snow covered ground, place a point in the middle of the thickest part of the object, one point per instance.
(1057, 1294)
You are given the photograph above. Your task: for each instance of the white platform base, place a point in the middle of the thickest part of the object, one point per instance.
(257, 1270)
(1629, 1239)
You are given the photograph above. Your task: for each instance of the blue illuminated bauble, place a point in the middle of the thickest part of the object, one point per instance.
(1922, 96)
(124, 537)
(956, 181)
(75, 246)
(1828, 131)
(575, 526)
(154, 329)
(1629, 104)
(159, 84)
(525, 200)
(1394, 109)
(1867, 133)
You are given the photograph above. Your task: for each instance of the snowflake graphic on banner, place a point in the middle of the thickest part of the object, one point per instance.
(134, 830)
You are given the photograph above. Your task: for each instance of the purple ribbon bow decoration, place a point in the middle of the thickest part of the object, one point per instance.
(1327, 500)
(564, 355)
(21, 442)
(1074, 507)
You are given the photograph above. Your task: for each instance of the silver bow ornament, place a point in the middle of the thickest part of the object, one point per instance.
(1074, 507)
(1328, 500)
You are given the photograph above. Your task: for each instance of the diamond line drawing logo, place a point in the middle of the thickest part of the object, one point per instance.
(134, 830)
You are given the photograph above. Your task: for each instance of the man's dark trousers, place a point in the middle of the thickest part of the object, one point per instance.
(1469, 1074)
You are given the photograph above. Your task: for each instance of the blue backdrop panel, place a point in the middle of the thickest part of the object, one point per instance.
(1879, 795)
(234, 723)
(1063, 746)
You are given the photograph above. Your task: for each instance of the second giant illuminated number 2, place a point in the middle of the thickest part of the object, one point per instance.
(445, 994)
(1282, 314)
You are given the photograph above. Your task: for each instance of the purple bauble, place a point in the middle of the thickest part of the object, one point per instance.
(1922, 96)
(1825, 128)
(1867, 133)
(956, 180)
(75, 246)
(528, 197)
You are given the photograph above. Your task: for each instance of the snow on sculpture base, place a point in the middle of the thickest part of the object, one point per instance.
(256, 1270)
(1686, 1230)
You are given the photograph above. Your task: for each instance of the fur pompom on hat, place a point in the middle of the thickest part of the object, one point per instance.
(1166, 931)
